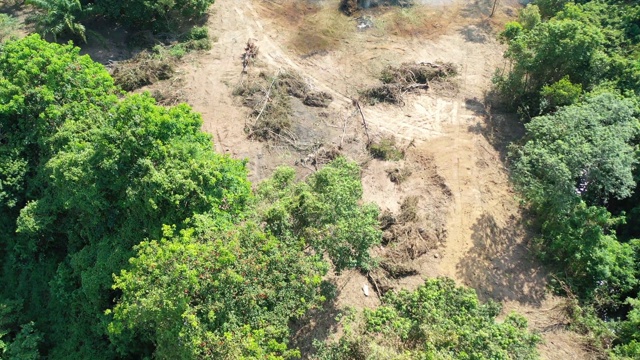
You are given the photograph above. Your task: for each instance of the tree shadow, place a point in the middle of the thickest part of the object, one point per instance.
(499, 127)
(477, 9)
(109, 42)
(499, 265)
(318, 324)
(11, 7)
(474, 34)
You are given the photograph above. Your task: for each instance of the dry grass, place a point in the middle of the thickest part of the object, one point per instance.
(417, 20)
(319, 28)
(323, 31)
(270, 106)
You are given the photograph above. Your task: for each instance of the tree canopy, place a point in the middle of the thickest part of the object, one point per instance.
(124, 235)
(574, 77)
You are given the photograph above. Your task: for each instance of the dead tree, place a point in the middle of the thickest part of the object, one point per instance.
(250, 53)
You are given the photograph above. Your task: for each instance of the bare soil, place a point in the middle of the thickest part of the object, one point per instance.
(468, 224)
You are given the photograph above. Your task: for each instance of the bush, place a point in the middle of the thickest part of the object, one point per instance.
(386, 149)
(436, 321)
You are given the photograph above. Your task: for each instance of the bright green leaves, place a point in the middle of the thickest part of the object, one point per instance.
(583, 150)
(229, 292)
(325, 212)
(222, 295)
(37, 80)
(436, 321)
(573, 162)
(579, 45)
(89, 176)
(548, 52)
(560, 93)
(91, 179)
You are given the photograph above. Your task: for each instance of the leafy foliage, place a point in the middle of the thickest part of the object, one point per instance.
(94, 176)
(572, 163)
(436, 321)
(325, 211)
(577, 165)
(196, 296)
(64, 17)
(583, 150)
(59, 17)
(151, 14)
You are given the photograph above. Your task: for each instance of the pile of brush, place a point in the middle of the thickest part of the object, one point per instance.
(397, 81)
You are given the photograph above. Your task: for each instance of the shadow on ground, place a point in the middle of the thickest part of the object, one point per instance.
(478, 34)
(499, 266)
(317, 324)
(499, 127)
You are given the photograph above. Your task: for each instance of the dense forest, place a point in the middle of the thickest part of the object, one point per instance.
(124, 235)
(574, 79)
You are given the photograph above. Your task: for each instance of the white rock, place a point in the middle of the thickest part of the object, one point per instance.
(365, 288)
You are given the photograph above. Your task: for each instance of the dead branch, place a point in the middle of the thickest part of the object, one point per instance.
(344, 131)
(266, 97)
(364, 121)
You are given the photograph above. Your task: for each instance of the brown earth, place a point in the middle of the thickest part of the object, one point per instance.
(467, 212)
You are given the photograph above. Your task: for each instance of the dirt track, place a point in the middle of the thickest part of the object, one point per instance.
(485, 246)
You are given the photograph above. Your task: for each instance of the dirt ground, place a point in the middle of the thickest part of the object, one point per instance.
(467, 211)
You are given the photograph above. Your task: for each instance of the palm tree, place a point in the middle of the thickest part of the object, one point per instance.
(58, 17)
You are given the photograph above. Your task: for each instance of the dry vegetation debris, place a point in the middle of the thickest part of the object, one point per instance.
(350, 7)
(269, 98)
(397, 81)
(143, 69)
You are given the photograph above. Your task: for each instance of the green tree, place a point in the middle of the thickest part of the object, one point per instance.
(59, 17)
(529, 17)
(547, 53)
(94, 176)
(582, 151)
(572, 163)
(152, 14)
(629, 347)
(560, 93)
(325, 211)
(204, 294)
(91, 176)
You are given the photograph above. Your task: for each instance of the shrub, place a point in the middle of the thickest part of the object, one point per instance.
(436, 321)
(386, 149)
